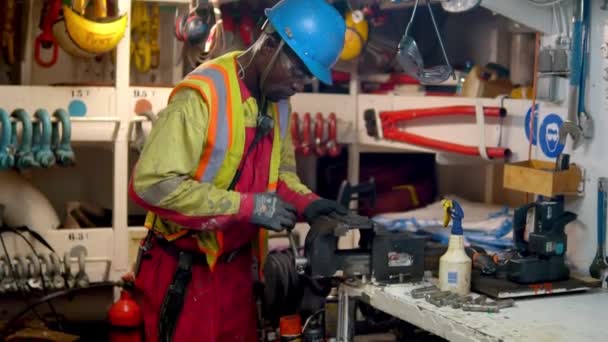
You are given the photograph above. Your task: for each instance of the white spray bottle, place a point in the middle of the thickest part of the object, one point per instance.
(455, 265)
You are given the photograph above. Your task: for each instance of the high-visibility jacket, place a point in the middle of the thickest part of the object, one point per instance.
(199, 201)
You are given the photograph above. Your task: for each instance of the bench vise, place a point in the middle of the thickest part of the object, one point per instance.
(387, 256)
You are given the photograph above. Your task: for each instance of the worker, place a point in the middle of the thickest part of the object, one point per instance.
(218, 172)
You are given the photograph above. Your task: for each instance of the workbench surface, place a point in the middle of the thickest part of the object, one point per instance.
(566, 317)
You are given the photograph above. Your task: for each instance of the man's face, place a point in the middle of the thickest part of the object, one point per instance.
(288, 75)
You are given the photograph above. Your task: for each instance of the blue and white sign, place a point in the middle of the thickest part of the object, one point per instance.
(527, 124)
(549, 135)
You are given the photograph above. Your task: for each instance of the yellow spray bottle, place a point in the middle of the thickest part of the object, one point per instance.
(455, 264)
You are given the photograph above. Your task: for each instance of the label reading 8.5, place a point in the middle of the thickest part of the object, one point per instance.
(137, 93)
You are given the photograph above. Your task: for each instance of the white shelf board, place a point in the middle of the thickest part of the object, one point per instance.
(92, 109)
(573, 317)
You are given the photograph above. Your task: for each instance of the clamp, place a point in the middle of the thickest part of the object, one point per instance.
(7, 160)
(82, 279)
(46, 39)
(24, 158)
(8, 284)
(47, 272)
(333, 148)
(62, 148)
(320, 149)
(385, 125)
(69, 277)
(41, 139)
(35, 280)
(21, 272)
(58, 281)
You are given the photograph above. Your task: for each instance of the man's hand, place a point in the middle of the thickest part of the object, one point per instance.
(271, 212)
(323, 207)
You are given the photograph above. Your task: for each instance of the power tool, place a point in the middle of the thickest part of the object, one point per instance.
(542, 257)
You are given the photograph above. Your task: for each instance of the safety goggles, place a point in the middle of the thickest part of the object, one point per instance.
(294, 64)
(290, 61)
(410, 58)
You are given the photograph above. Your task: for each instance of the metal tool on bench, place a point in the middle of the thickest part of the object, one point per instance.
(542, 257)
(599, 262)
(385, 125)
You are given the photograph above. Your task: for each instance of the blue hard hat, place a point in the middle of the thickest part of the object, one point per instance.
(313, 29)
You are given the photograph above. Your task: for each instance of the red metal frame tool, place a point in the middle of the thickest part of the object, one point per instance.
(46, 39)
(333, 148)
(306, 145)
(320, 148)
(384, 125)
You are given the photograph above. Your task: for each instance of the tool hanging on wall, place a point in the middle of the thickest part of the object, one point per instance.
(8, 32)
(46, 39)
(385, 125)
(320, 149)
(141, 47)
(24, 158)
(154, 35)
(599, 263)
(61, 146)
(325, 135)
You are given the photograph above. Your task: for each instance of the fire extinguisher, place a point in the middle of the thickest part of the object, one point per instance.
(125, 319)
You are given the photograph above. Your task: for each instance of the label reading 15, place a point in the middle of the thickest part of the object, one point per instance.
(80, 93)
(142, 93)
(78, 236)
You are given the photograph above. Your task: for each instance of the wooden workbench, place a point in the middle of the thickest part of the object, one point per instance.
(569, 317)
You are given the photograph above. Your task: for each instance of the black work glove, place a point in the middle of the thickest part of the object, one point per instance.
(322, 207)
(271, 212)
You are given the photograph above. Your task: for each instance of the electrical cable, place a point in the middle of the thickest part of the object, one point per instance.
(310, 318)
(44, 289)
